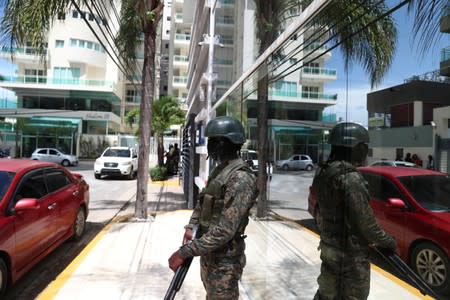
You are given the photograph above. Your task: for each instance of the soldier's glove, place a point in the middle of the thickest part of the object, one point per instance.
(175, 260)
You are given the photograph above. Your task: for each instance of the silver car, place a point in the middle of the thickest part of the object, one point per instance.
(296, 162)
(54, 155)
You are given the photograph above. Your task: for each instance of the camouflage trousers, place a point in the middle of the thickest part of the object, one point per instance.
(343, 275)
(220, 276)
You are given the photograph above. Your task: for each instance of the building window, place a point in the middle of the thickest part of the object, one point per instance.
(73, 42)
(35, 76)
(89, 45)
(81, 43)
(91, 17)
(133, 96)
(75, 14)
(61, 16)
(59, 44)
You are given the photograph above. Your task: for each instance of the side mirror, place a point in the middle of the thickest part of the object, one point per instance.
(26, 204)
(396, 203)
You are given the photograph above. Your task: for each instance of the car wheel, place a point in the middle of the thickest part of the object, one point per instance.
(65, 163)
(79, 225)
(318, 218)
(285, 167)
(432, 264)
(3, 276)
(97, 176)
(309, 167)
(131, 175)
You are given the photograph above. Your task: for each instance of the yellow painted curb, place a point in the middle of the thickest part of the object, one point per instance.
(54, 287)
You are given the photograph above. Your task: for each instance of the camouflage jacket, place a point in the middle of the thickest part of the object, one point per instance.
(348, 222)
(228, 211)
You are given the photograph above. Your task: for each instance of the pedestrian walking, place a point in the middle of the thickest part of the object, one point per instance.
(221, 213)
(348, 224)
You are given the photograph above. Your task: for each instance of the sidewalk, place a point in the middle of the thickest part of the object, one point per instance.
(128, 259)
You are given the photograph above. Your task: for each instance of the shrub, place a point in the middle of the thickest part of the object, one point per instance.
(158, 173)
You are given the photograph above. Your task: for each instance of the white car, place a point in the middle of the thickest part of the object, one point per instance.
(54, 155)
(118, 161)
(296, 162)
(394, 163)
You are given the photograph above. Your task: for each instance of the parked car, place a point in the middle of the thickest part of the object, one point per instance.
(251, 158)
(54, 155)
(413, 205)
(296, 162)
(42, 205)
(117, 161)
(394, 163)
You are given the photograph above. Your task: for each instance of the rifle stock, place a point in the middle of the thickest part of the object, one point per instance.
(180, 274)
(395, 261)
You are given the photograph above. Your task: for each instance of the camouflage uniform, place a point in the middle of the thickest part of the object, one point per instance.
(348, 227)
(222, 213)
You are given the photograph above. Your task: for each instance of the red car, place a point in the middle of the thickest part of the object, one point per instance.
(413, 205)
(41, 205)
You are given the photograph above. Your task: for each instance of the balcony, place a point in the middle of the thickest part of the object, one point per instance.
(181, 59)
(312, 97)
(445, 20)
(182, 38)
(27, 54)
(444, 68)
(314, 73)
(180, 81)
(56, 83)
(316, 48)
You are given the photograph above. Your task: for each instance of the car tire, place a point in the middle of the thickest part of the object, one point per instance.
(97, 176)
(131, 175)
(79, 225)
(309, 168)
(3, 276)
(318, 218)
(428, 260)
(285, 167)
(65, 163)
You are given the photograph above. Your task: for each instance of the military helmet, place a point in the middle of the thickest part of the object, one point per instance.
(226, 127)
(348, 134)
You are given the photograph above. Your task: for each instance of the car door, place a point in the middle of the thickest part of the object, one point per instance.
(392, 219)
(34, 228)
(42, 154)
(303, 161)
(134, 159)
(66, 196)
(294, 162)
(54, 156)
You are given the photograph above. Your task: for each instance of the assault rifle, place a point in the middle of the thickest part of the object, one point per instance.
(406, 272)
(180, 274)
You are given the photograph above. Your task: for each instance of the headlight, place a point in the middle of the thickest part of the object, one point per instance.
(97, 162)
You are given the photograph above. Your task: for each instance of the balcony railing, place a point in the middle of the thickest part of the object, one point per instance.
(23, 50)
(316, 47)
(226, 1)
(225, 20)
(319, 71)
(58, 81)
(181, 58)
(219, 61)
(180, 79)
(183, 37)
(303, 95)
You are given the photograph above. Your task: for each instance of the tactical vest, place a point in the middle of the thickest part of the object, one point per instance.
(212, 196)
(330, 196)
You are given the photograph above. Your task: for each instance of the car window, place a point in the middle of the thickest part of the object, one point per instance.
(5, 181)
(123, 153)
(57, 179)
(42, 151)
(381, 188)
(52, 152)
(296, 157)
(32, 186)
(304, 157)
(431, 192)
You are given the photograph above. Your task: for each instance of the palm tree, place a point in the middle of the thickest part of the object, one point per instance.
(28, 21)
(166, 111)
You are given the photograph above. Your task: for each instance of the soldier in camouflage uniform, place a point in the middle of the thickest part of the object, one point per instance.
(222, 213)
(348, 226)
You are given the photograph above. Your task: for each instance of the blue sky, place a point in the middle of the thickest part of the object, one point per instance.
(408, 62)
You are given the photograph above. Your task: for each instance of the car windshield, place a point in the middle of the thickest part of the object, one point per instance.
(5, 181)
(117, 152)
(430, 191)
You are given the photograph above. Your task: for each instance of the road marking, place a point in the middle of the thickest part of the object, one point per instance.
(53, 288)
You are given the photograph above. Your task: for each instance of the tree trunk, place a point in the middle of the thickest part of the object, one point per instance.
(148, 79)
(160, 149)
(263, 84)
